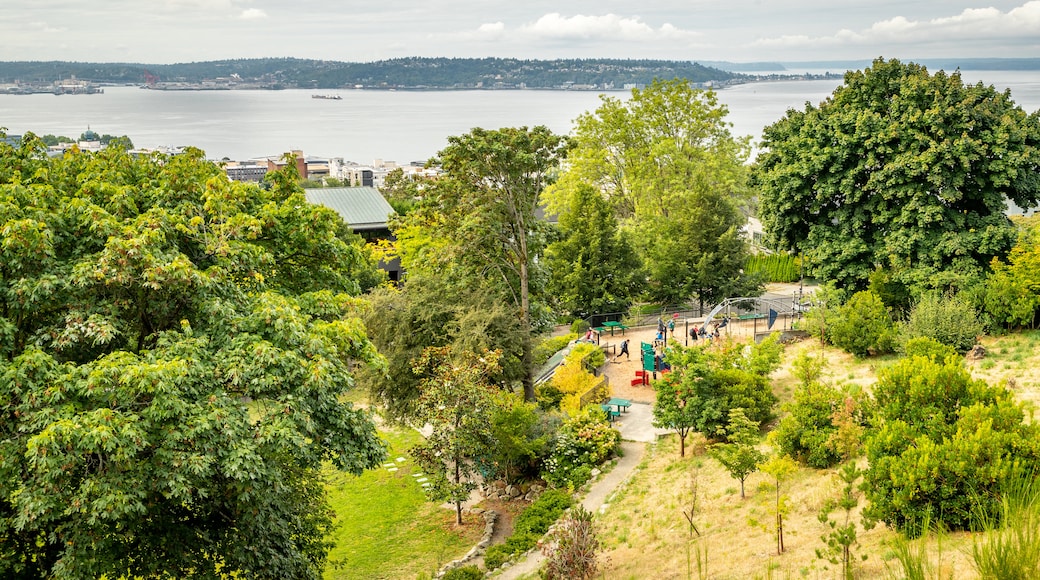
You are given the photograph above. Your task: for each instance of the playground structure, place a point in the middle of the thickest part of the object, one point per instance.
(747, 316)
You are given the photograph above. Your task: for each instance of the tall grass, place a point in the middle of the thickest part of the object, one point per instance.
(1009, 547)
(913, 559)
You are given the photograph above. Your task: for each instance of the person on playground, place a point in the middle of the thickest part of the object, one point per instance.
(624, 351)
(671, 327)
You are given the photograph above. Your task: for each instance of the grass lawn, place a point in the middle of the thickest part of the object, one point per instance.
(386, 528)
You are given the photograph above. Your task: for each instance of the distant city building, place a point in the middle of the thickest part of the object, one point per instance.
(250, 171)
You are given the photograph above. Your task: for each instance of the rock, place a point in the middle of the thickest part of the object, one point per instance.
(977, 352)
(595, 473)
(512, 492)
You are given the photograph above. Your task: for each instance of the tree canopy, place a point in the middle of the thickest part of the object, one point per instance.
(902, 170)
(675, 176)
(173, 349)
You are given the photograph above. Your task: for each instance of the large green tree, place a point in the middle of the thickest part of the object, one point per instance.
(173, 351)
(666, 160)
(899, 169)
(486, 203)
(594, 268)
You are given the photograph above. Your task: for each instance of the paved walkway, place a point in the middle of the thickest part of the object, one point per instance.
(637, 423)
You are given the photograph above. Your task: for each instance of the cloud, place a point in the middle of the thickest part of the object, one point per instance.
(47, 28)
(606, 27)
(554, 27)
(1021, 23)
(253, 14)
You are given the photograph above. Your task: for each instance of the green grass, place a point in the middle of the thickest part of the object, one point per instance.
(386, 528)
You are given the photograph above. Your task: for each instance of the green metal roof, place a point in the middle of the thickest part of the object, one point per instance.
(363, 208)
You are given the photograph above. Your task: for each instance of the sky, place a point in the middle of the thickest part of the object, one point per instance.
(172, 31)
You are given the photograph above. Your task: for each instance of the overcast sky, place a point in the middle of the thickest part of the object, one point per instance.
(169, 31)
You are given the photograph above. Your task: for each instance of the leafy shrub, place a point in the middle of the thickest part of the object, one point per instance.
(496, 555)
(807, 432)
(529, 527)
(549, 396)
(522, 433)
(579, 326)
(950, 320)
(945, 444)
(589, 356)
(464, 573)
(928, 348)
(863, 326)
(572, 381)
(582, 442)
(544, 350)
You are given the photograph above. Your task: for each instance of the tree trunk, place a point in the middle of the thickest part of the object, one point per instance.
(525, 328)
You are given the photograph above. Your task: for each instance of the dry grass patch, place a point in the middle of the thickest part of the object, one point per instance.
(646, 535)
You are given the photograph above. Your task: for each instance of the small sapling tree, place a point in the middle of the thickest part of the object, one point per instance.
(841, 536)
(739, 456)
(780, 467)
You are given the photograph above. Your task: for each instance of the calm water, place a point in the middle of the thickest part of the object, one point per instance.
(400, 125)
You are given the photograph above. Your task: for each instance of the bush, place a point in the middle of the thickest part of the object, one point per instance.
(522, 432)
(806, 433)
(573, 381)
(571, 548)
(549, 396)
(496, 555)
(582, 443)
(579, 326)
(589, 356)
(464, 573)
(863, 326)
(928, 348)
(544, 350)
(945, 444)
(950, 320)
(529, 527)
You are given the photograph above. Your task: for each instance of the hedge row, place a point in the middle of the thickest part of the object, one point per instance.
(776, 267)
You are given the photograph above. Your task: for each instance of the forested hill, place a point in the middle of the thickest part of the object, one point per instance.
(418, 73)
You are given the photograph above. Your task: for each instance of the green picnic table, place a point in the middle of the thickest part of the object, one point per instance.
(611, 413)
(621, 404)
(615, 324)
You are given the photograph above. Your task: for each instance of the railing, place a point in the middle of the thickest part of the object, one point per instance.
(597, 393)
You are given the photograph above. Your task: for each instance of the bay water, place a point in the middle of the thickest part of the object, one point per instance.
(366, 125)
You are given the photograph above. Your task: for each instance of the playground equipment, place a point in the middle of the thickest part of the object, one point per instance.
(748, 313)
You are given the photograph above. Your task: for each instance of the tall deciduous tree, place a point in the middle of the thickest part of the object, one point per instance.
(174, 350)
(488, 196)
(457, 403)
(903, 170)
(666, 160)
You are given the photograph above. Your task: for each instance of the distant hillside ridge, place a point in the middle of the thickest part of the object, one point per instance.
(408, 73)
